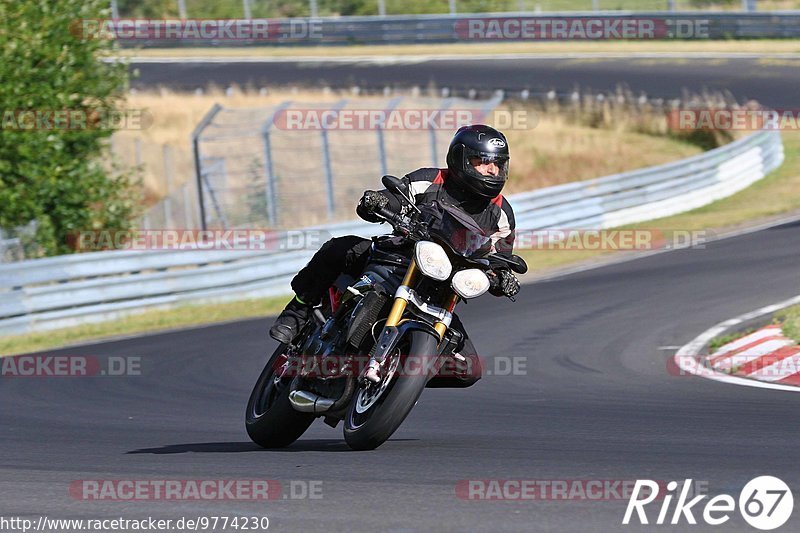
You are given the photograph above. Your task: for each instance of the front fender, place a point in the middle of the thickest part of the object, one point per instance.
(392, 334)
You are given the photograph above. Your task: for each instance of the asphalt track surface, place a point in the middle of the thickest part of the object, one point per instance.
(595, 401)
(772, 82)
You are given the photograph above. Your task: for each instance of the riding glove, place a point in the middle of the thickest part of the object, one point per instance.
(504, 283)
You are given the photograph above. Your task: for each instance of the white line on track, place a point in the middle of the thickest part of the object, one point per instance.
(687, 357)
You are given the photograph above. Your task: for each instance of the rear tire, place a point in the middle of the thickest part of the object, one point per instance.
(271, 420)
(366, 428)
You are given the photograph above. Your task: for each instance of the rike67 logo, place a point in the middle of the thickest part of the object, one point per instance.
(765, 503)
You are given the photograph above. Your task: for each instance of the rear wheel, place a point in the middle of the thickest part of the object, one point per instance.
(271, 420)
(378, 409)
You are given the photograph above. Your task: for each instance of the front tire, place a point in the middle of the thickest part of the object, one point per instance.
(271, 420)
(374, 416)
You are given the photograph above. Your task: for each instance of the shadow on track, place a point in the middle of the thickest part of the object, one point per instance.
(310, 445)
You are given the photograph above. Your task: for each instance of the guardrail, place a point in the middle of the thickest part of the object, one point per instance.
(63, 291)
(432, 29)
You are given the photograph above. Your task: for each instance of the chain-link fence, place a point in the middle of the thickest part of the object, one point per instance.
(293, 165)
(167, 172)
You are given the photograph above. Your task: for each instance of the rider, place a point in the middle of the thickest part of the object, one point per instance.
(477, 170)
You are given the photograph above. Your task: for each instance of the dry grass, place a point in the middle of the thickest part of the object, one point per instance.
(760, 46)
(557, 150)
(148, 321)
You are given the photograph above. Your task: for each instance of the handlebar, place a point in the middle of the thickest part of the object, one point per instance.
(419, 230)
(393, 218)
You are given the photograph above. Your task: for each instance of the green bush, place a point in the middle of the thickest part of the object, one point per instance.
(790, 322)
(54, 175)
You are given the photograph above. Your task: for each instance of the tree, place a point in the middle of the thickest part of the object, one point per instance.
(59, 102)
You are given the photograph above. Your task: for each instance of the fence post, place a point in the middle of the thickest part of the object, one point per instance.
(182, 9)
(220, 169)
(246, 7)
(489, 106)
(168, 178)
(188, 222)
(381, 8)
(432, 132)
(452, 7)
(326, 164)
(198, 170)
(312, 8)
(381, 141)
(270, 189)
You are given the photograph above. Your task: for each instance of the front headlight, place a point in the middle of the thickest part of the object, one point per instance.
(432, 260)
(470, 283)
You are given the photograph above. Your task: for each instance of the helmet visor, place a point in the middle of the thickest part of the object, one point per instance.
(475, 159)
(483, 165)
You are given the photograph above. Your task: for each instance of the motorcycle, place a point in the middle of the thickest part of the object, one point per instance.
(391, 325)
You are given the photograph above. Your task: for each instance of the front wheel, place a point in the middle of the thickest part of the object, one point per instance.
(271, 420)
(377, 410)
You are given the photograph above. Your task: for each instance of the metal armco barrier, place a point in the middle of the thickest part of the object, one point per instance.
(64, 291)
(431, 29)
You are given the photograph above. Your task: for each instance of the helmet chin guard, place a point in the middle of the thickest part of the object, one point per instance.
(486, 143)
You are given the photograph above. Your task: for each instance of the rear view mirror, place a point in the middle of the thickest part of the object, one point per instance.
(515, 263)
(398, 187)
(519, 265)
(395, 185)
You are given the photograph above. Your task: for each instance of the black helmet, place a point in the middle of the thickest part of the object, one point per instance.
(477, 141)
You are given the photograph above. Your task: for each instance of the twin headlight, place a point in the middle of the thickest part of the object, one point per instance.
(434, 263)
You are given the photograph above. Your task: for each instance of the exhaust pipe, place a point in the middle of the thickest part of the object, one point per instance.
(308, 402)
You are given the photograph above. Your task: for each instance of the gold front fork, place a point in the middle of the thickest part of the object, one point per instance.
(399, 304)
(441, 327)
